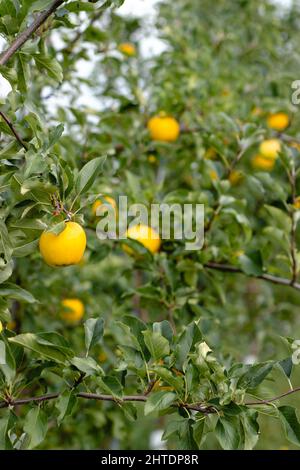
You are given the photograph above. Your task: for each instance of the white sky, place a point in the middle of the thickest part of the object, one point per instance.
(138, 7)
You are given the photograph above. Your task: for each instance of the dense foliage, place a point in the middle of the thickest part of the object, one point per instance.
(166, 340)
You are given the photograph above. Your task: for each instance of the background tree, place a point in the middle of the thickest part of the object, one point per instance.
(157, 341)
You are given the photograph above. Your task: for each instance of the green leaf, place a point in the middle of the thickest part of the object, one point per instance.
(77, 6)
(157, 345)
(6, 271)
(36, 423)
(54, 135)
(133, 182)
(227, 433)
(7, 361)
(231, 409)
(159, 401)
(41, 344)
(5, 315)
(23, 71)
(9, 74)
(164, 328)
(87, 365)
(148, 292)
(250, 429)
(173, 426)
(93, 329)
(287, 366)
(88, 174)
(186, 436)
(252, 263)
(5, 242)
(7, 8)
(6, 424)
(57, 228)
(49, 65)
(137, 326)
(65, 405)
(167, 376)
(111, 385)
(26, 249)
(38, 5)
(31, 224)
(198, 431)
(290, 423)
(13, 291)
(255, 375)
(130, 411)
(188, 432)
(125, 337)
(190, 336)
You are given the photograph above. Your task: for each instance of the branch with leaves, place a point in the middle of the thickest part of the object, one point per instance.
(199, 407)
(23, 37)
(266, 277)
(14, 131)
(203, 408)
(160, 345)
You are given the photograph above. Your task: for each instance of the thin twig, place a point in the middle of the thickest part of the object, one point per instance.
(265, 277)
(101, 397)
(25, 35)
(25, 401)
(69, 48)
(13, 130)
(199, 407)
(236, 160)
(271, 400)
(149, 387)
(79, 380)
(216, 211)
(59, 207)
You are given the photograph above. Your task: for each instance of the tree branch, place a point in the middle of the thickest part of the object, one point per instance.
(199, 407)
(12, 128)
(270, 400)
(265, 277)
(150, 387)
(25, 401)
(25, 35)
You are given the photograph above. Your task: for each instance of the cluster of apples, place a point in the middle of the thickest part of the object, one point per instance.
(269, 149)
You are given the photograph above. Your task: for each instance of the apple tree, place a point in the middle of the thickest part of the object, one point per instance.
(199, 346)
